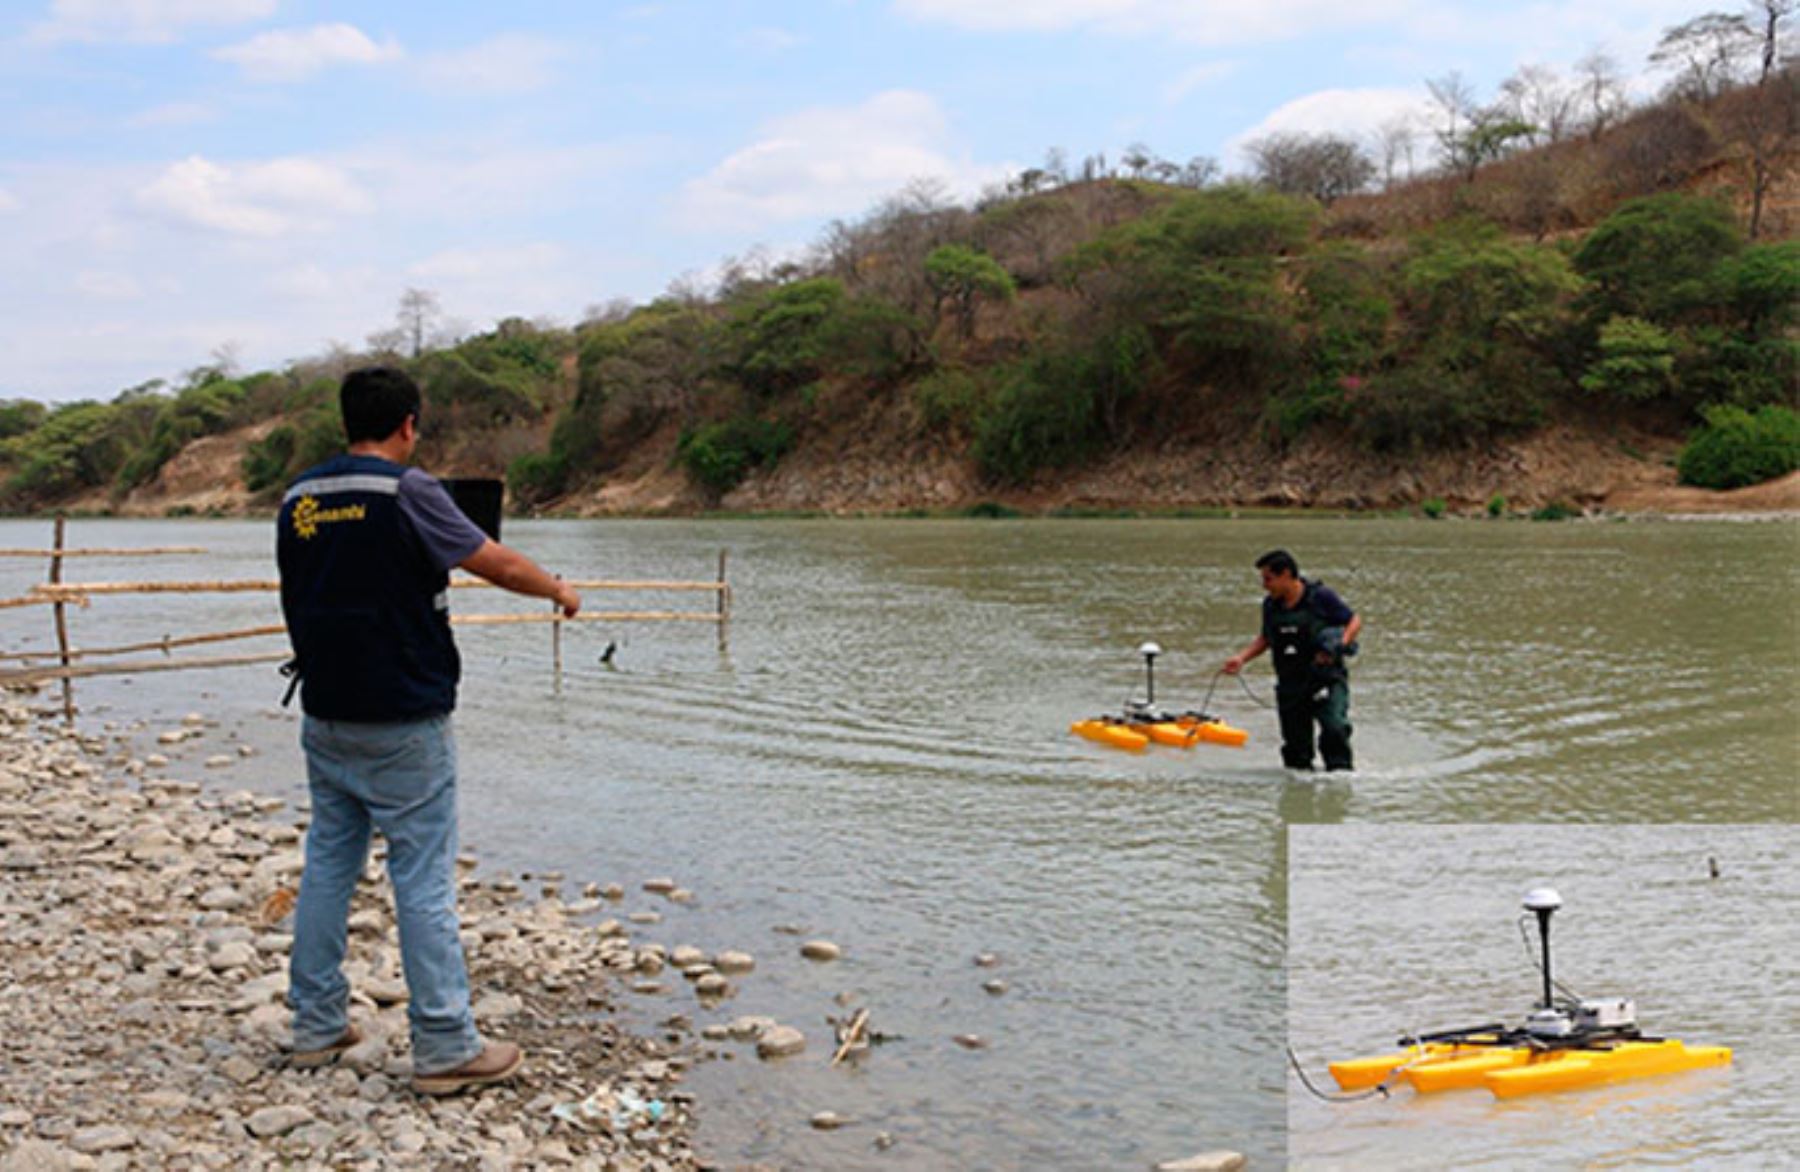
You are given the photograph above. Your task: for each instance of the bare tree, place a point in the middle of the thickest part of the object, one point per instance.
(1323, 166)
(1137, 159)
(1394, 140)
(1768, 14)
(418, 313)
(1056, 166)
(1199, 171)
(1705, 53)
(1536, 96)
(1600, 92)
(1455, 101)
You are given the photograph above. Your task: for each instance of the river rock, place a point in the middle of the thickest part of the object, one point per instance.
(684, 956)
(1218, 1161)
(995, 987)
(820, 950)
(105, 1138)
(828, 1121)
(986, 960)
(277, 1120)
(971, 1041)
(659, 886)
(219, 760)
(234, 955)
(712, 985)
(750, 1027)
(734, 963)
(35, 1155)
(780, 1041)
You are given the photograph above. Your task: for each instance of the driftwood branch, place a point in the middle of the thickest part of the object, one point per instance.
(38, 675)
(71, 591)
(851, 1034)
(141, 551)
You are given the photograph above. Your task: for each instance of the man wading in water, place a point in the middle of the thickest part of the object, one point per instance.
(1311, 631)
(365, 546)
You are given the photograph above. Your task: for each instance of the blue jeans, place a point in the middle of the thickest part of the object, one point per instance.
(400, 778)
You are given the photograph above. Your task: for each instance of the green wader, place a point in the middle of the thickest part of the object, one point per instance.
(1306, 693)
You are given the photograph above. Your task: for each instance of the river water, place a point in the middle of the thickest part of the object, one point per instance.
(880, 757)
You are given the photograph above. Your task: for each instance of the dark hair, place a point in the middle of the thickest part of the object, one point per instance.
(376, 400)
(1279, 561)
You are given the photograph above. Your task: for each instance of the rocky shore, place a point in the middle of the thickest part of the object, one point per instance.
(143, 971)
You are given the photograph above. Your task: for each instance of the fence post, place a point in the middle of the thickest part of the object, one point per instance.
(62, 623)
(724, 604)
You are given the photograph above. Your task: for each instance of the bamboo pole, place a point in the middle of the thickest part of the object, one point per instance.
(164, 644)
(36, 675)
(34, 600)
(597, 616)
(724, 604)
(62, 625)
(71, 591)
(556, 646)
(140, 551)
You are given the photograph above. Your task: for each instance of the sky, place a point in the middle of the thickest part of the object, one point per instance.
(186, 179)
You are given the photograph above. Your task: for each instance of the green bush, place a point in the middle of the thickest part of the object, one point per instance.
(1636, 363)
(1658, 257)
(454, 383)
(1496, 506)
(1555, 511)
(267, 460)
(1044, 416)
(779, 336)
(536, 477)
(719, 455)
(949, 399)
(1734, 447)
(1433, 508)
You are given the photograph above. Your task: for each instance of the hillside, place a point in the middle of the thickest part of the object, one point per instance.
(1548, 326)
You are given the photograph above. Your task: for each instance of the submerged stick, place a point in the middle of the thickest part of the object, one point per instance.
(97, 552)
(37, 675)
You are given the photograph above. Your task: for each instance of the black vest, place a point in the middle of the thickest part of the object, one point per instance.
(1293, 637)
(367, 612)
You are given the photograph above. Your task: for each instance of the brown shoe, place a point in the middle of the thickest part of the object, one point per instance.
(497, 1062)
(310, 1059)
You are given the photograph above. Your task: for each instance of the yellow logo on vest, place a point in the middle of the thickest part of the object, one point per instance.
(308, 516)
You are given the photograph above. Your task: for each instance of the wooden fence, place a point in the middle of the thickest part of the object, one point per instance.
(60, 595)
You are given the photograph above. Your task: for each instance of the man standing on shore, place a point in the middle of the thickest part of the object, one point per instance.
(365, 545)
(1311, 631)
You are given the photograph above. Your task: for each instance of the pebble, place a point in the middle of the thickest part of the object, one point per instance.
(995, 986)
(971, 1041)
(219, 760)
(734, 963)
(820, 950)
(106, 1138)
(780, 1041)
(712, 985)
(659, 886)
(277, 1120)
(986, 960)
(1216, 1161)
(828, 1121)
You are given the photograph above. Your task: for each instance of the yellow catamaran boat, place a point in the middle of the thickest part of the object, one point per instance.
(1142, 723)
(1577, 1042)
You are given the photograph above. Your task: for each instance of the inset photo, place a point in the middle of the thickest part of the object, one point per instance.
(1520, 995)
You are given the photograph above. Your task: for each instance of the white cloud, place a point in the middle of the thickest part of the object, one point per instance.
(831, 160)
(9, 202)
(302, 282)
(1358, 113)
(1205, 22)
(141, 20)
(483, 264)
(284, 55)
(509, 64)
(108, 286)
(1192, 79)
(173, 114)
(261, 199)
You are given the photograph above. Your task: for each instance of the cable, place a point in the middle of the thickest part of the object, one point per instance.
(1379, 1089)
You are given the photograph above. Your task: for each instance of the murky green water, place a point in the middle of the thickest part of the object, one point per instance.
(882, 758)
